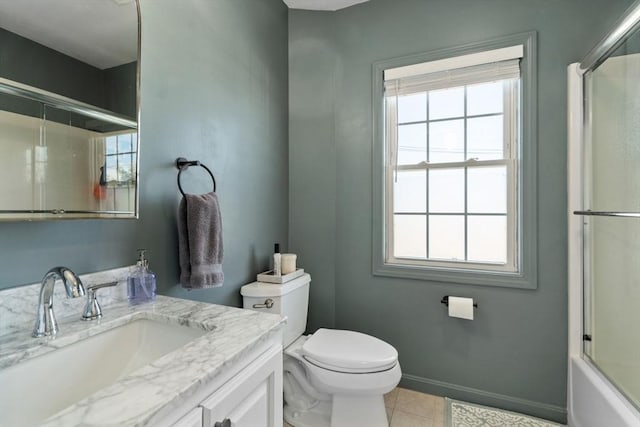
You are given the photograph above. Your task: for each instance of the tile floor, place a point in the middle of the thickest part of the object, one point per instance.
(408, 408)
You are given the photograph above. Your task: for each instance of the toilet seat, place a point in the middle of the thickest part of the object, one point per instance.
(348, 352)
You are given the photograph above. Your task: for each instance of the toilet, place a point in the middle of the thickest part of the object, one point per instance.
(332, 378)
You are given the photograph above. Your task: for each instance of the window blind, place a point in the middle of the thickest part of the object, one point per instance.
(501, 64)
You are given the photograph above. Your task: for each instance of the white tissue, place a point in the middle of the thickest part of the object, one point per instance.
(461, 307)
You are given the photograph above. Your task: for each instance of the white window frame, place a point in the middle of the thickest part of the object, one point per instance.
(524, 276)
(510, 161)
(133, 153)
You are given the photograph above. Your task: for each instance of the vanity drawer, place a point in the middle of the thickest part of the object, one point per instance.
(253, 398)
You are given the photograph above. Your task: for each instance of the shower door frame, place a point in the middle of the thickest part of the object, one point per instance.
(593, 400)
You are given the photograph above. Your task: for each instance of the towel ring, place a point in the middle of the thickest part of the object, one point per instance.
(183, 164)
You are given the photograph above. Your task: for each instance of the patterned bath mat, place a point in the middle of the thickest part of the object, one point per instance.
(462, 414)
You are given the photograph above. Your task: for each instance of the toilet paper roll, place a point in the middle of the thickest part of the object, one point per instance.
(461, 307)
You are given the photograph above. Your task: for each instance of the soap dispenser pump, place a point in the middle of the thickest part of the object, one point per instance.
(141, 284)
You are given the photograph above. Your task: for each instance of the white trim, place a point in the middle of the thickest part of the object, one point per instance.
(453, 265)
(510, 160)
(575, 194)
(469, 60)
(511, 141)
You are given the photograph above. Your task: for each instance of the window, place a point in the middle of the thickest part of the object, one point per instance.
(120, 159)
(451, 147)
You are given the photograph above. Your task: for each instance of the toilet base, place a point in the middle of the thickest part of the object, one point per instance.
(318, 416)
(352, 411)
(339, 404)
(344, 411)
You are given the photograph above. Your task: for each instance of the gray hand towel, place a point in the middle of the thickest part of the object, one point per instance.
(200, 241)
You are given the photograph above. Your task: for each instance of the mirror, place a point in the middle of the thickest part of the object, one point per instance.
(69, 78)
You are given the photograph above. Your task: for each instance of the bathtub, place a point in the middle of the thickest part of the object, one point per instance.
(594, 402)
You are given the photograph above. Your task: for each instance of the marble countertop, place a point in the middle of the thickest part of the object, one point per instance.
(167, 382)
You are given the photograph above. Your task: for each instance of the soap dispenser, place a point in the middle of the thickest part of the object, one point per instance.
(141, 284)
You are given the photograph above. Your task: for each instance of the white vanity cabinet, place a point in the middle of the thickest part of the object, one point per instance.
(252, 398)
(250, 395)
(192, 419)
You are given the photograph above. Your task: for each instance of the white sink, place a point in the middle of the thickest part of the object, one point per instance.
(34, 390)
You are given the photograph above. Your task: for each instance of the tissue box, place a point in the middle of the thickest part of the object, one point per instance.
(268, 276)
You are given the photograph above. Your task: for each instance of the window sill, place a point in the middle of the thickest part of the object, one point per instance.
(464, 277)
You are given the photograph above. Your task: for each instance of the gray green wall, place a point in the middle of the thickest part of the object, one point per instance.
(31, 63)
(120, 88)
(214, 88)
(513, 355)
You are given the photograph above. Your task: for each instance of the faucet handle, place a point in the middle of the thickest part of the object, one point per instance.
(92, 309)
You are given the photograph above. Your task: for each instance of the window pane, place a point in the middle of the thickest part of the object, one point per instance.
(111, 170)
(485, 140)
(134, 164)
(410, 236)
(124, 143)
(410, 192)
(446, 190)
(412, 144)
(446, 141)
(487, 238)
(487, 189)
(111, 145)
(125, 167)
(412, 108)
(446, 237)
(485, 98)
(446, 103)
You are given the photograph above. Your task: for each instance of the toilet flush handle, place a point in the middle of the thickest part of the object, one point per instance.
(268, 303)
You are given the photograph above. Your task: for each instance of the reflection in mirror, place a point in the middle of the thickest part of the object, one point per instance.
(68, 109)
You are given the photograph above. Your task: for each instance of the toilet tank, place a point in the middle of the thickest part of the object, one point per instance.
(290, 300)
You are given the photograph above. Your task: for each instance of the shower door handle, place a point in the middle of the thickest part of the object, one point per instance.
(607, 213)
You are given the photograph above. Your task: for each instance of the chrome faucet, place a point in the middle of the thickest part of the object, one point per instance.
(92, 309)
(46, 324)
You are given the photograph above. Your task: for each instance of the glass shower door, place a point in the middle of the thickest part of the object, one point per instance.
(611, 230)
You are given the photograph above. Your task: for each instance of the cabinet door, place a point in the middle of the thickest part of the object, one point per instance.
(253, 398)
(192, 419)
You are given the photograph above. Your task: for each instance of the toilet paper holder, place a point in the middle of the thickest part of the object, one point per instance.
(445, 301)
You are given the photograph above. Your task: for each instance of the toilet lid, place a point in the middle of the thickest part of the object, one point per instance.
(348, 351)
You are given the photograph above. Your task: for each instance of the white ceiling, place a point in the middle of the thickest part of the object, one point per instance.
(321, 4)
(103, 33)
